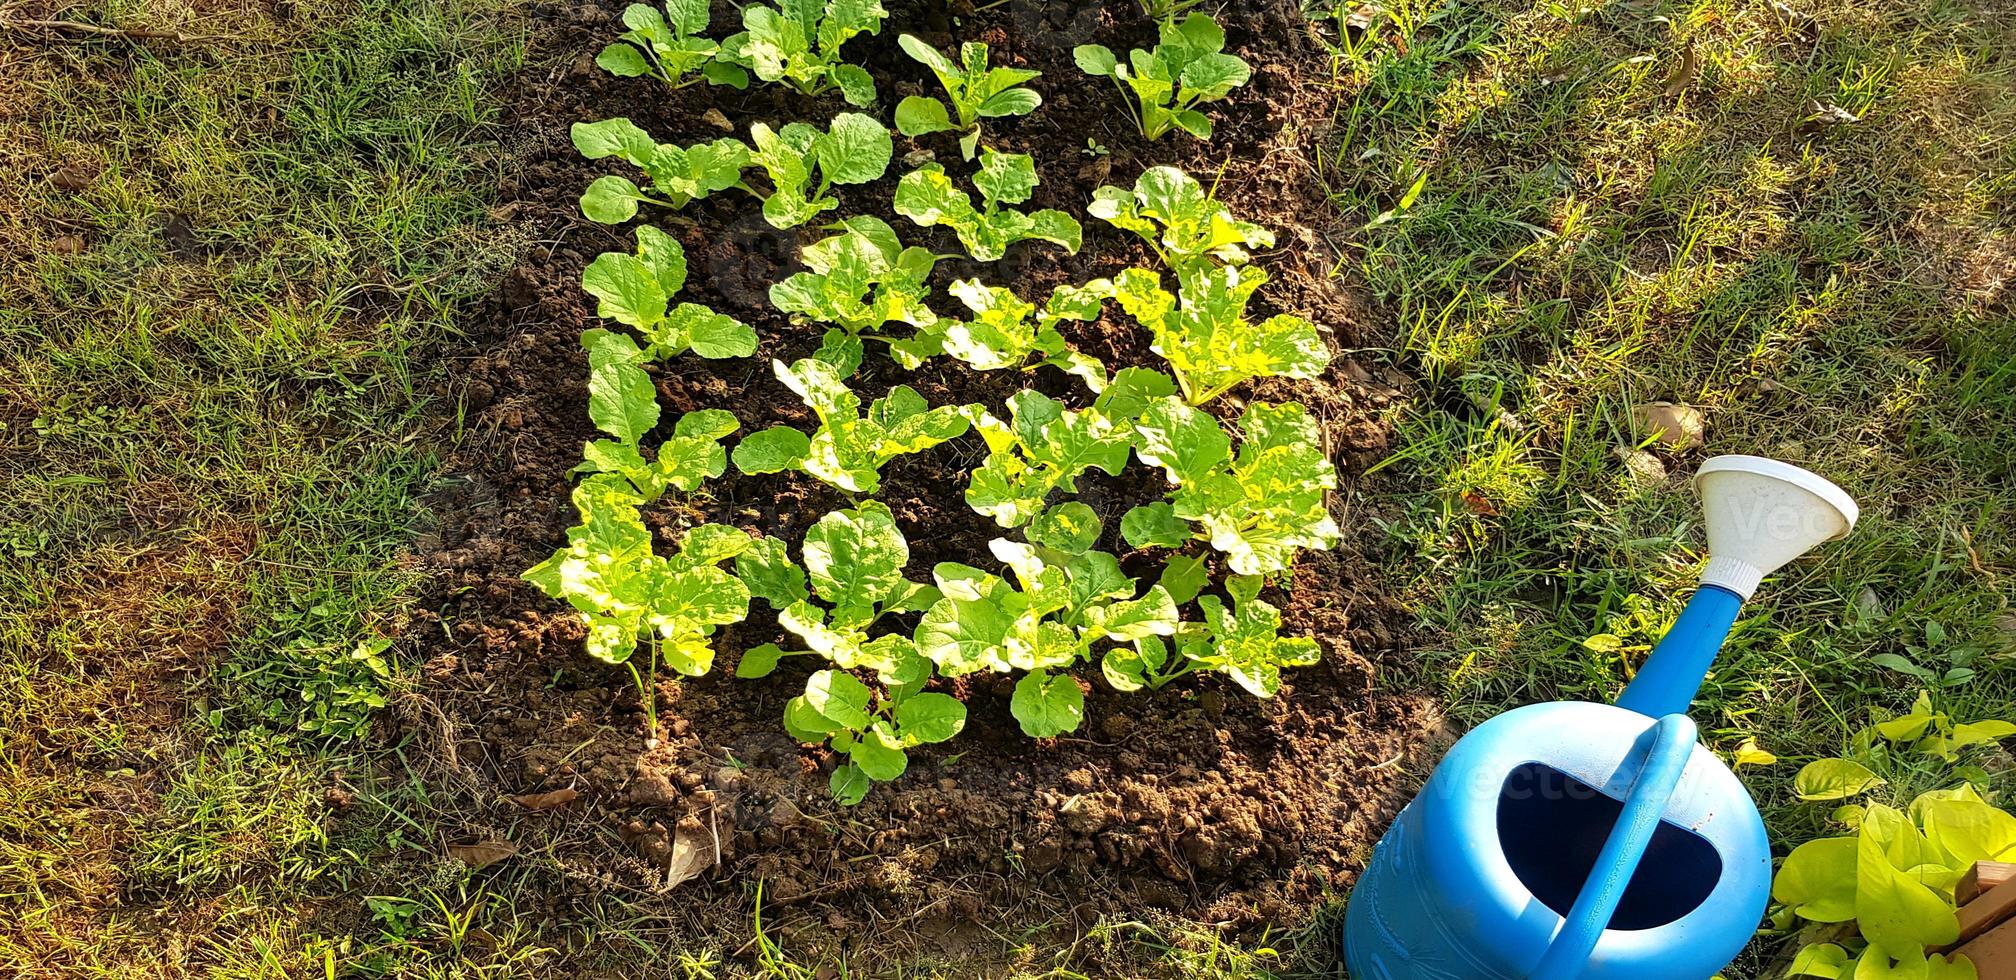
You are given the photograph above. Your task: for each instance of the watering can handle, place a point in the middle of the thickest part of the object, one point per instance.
(1672, 745)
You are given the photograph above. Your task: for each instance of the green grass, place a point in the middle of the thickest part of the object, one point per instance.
(224, 260)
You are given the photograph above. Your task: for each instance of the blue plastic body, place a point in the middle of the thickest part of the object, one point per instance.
(1570, 840)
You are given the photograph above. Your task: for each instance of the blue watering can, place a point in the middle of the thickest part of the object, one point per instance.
(1598, 841)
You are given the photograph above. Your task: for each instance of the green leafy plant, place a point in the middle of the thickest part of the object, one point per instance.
(637, 289)
(1045, 447)
(976, 92)
(798, 43)
(1243, 643)
(855, 149)
(1934, 733)
(1188, 67)
(926, 196)
(679, 175)
(668, 46)
(1893, 876)
(627, 595)
(623, 403)
(1205, 335)
(874, 730)
(1045, 621)
(1008, 332)
(848, 449)
(1182, 222)
(855, 559)
(858, 280)
(1257, 509)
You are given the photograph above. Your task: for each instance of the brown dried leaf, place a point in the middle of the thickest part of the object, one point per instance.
(482, 854)
(714, 118)
(1683, 73)
(1677, 426)
(693, 852)
(547, 801)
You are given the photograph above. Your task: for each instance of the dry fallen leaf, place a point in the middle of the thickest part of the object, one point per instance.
(714, 118)
(482, 854)
(547, 801)
(693, 851)
(1683, 73)
(1677, 426)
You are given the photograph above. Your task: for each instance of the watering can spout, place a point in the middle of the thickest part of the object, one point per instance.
(1760, 514)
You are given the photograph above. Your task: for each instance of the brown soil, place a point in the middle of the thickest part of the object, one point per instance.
(1199, 799)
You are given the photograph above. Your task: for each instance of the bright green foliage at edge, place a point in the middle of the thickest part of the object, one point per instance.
(668, 46)
(798, 43)
(1205, 335)
(1244, 643)
(677, 174)
(1187, 67)
(1008, 332)
(858, 280)
(637, 289)
(872, 729)
(854, 149)
(848, 449)
(1185, 225)
(1044, 447)
(1894, 878)
(976, 92)
(1257, 508)
(926, 196)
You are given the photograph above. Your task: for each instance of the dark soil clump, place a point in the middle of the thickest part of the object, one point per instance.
(1199, 799)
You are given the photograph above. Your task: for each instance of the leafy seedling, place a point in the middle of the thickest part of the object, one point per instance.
(1007, 332)
(1188, 67)
(1183, 223)
(855, 149)
(627, 595)
(1044, 447)
(678, 175)
(926, 196)
(1257, 509)
(975, 91)
(848, 449)
(1045, 621)
(875, 731)
(1205, 335)
(670, 46)
(637, 289)
(798, 43)
(855, 562)
(691, 457)
(1245, 645)
(858, 280)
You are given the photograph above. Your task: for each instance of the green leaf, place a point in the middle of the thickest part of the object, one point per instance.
(1154, 525)
(622, 60)
(1013, 102)
(1095, 59)
(766, 568)
(621, 398)
(1893, 908)
(1070, 527)
(613, 137)
(705, 332)
(879, 755)
(856, 150)
(856, 85)
(772, 450)
(930, 717)
(919, 115)
(849, 784)
(1184, 576)
(611, 200)
(1247, 646)
(627, 289)
(1047, 705)
(1834, 779)
(855, 557)
(1009, 178)
(1188, 444)
(759, 661)
(838, 697)
(1819, 960)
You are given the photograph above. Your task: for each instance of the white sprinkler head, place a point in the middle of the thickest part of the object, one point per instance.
(1762, 513)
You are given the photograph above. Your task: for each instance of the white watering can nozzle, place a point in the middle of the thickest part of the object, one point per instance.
(1762, 513)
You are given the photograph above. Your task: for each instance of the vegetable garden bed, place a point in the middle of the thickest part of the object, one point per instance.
(1194, 796)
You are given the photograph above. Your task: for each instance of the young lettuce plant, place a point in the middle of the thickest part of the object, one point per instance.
(798, 43)
(1257, 509)
(855, 149)
(1183, 223)
(637, 289)
(679, 175)
(627, 595)
(623, 403)
(668, 46)
(1205, 335)
(976, 92)
(1045, 447)
(873, 730)
(1045, 621)
(848, 449)
(926, 196)
(1007, 332)
(858, 280)
(1188, 67)
(1245, 645)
